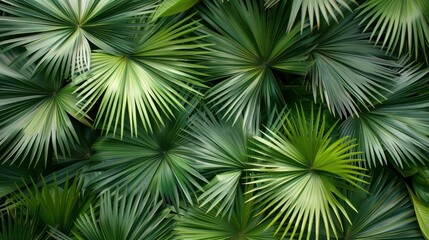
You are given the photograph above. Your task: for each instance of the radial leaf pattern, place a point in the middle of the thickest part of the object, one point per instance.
(142, 87)
(300, 174)
(395, 130)
(398, 24)
(59, 34)
(249, 45)
(35, 115)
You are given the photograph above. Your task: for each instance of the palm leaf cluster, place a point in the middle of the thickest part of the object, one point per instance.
(187, 119)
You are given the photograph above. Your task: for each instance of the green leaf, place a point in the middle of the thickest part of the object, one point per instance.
(385, 212)
(158, 162)
(395, 130)
(316, 9)
(422, 213)
(56, 206)
(250, 45)
(300, 175)
(18, 225)
(348, 73)
(219, 149)
(401, 23)
(125, 216)
(59, 34)
(141, 87)
(202, 224)
(36, 113)
(171, 7)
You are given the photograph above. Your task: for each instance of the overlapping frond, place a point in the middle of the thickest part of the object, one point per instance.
(125, 216)
(36, 115)
(300, 174)
(395, 130)
(348, 73)
(314, 10)
(249, 45)
(59, 34)
(402, 24)
(158, 162)
(141, 87)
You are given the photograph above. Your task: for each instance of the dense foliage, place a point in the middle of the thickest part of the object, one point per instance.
(240, 119)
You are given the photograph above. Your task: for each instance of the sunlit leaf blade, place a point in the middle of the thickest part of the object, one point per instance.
(399, 24)
(35, 115)
(249, 45)
(422, 213)
(125, 216)
(300, 175)
(142, 87)
(219, 150)
(315, 10)
(59, 34)
(171, 7)
(386, 212)
(158, 162)
(395, 130)
(348, 73)
(201, 224)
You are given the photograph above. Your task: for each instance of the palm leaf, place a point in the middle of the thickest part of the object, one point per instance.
(219, 150)
(398, 126)
(422, 213)
(202, 224)
(157, 162)
(35, 115)
(146, 84)
(421, 184)
(171, 7)
(348, 73)
(300, 174)
(249, 45)
(18, 225)
(56, 206)
(386, 212)
(315, 9)
(59, 34)
(125, 216)
(401, 23)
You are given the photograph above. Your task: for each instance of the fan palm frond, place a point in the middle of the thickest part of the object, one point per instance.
(348, 73)
(385, 212)
(249, 45)
(156, 162)
(146, 84)
(57, 206)
(401, 23)
(59, 34)
(36, 115)
(219, 150)
(300, 175)
(125, 216)
(202, 224)
(398, 126)
(316, 9)
(18, 225)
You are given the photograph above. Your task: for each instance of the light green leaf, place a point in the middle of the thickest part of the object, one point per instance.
(422, 213)
(171, 7)
(300, 175)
